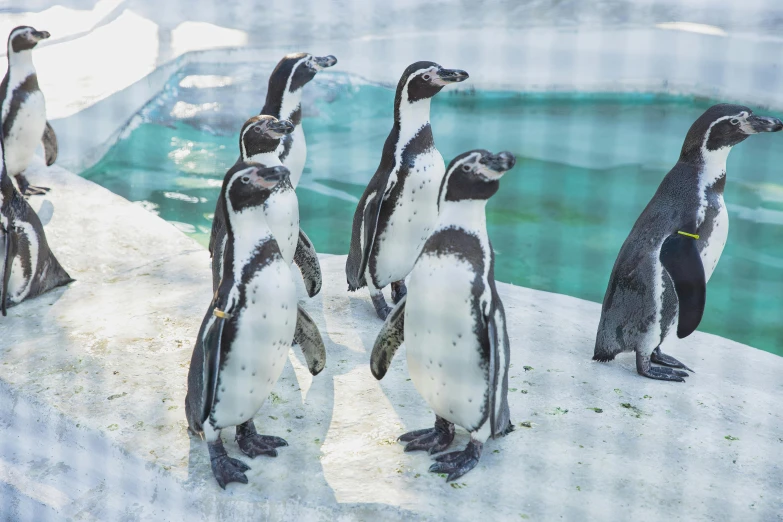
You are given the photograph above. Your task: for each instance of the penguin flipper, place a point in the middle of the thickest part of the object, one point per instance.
(389, 339)
(309, 339)
(681, 259)
(372, 211)
(306, 259)
(499, 346)
(212, 342)
(218, 226)
(10, 253)
(49, 140)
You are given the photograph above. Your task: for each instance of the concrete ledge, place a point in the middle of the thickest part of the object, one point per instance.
(92, 384)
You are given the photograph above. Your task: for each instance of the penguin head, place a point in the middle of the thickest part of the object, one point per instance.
(262, 134)
(724, 125)
(249, 185)
(24, 38)
(423, 80)
(300, 68)
(475, 175)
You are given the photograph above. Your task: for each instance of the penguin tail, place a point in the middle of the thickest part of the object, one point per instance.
(610, 340)
(355, 287)
(62, 279)
(605, 352)
(508, 429)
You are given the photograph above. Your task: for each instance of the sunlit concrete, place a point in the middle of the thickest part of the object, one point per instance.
(92, 386)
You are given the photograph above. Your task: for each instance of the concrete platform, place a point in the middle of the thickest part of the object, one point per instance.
(92, 384)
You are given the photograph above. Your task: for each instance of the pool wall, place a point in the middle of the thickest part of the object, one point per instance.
(739, 68)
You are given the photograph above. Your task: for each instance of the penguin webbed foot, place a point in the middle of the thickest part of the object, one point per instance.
(432, 440)
(224, 468)
(381, 308)
(253, 444)
(658, 357)
(29, 190)
(457, 463)
(36, 191)
(398, 291)
(644, 368)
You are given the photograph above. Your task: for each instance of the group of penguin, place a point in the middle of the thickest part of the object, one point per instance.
(417, 221)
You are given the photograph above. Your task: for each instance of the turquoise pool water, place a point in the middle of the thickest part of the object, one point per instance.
(587, 166)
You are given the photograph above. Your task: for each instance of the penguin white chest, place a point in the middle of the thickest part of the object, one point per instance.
(412, 219)
(257, 354)
(25, 133)
(296, 157)
(282, 215)
(716, 241)
(444, 355)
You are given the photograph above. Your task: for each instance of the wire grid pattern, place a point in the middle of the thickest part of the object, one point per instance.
(589, 159)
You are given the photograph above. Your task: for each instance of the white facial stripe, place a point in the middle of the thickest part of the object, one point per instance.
(709, 131)
(23, 31)
(242, 141)
(466, 160)
(19, 32)
(235, 177)
(291, 100)
(293, 71)
(470, 160)
(431, 70)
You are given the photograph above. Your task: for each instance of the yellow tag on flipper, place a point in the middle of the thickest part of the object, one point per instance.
(221, 314)
(694, 236)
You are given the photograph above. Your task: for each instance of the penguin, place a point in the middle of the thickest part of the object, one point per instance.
(24, 109)
(399, 206)
(258, 141)
(244, 338)
(28, 267)
(458, 353)
(659, 280)
(284, 102)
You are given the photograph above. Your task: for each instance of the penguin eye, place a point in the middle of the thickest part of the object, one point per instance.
(426, 77)
(245, 179)
(734, 121)
(467, 168)
(256, 129)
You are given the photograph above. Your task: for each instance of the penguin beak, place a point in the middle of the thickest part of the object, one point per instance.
(271, 176)
(755, 124)
(324, 62)
(280, 128)
(495, 165)
(447, 76)
(40, 35)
